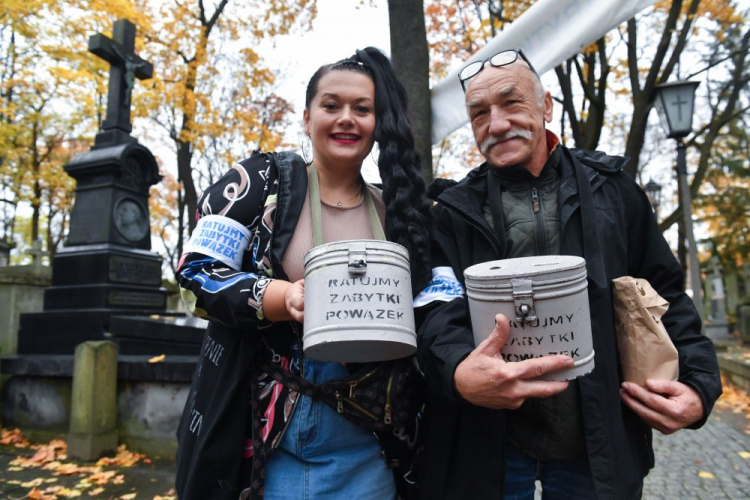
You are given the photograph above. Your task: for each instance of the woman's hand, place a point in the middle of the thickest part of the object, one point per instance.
(283, 301)
(294, 299)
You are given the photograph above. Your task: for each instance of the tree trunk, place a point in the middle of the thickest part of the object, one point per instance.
(36, 200)
(185, 175)
(411, 60)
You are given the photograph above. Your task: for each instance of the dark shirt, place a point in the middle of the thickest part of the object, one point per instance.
(550, 428)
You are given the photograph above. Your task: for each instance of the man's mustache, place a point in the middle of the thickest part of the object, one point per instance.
(511, 134)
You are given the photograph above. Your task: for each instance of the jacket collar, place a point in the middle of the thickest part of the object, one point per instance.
(290, 197)
(470, 194)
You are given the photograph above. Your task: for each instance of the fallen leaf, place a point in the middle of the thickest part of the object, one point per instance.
(123, 458)
(13, 437)
(33, 483)
(129, 496)
(34, 494)
(733, 398)
(95, 492)
(68, 493)
(158, 359)
(744, 454)
(705, 475)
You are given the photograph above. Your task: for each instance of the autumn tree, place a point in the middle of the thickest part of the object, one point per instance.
(455, 31)
(36, 84)
(211, 92)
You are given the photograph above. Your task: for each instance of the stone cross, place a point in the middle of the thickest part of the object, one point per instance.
(125, 67)
(37, 254)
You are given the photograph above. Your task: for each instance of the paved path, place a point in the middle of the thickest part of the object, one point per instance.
(682, 458)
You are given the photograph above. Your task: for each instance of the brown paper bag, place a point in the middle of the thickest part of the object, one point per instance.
(645, 349)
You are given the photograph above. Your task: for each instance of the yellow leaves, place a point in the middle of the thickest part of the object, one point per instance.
(705, 475)
(51, 456)
(40, 495)
(168, 496)
(13, 437)
(744, 454)
(33, 483)
(45, 454)
(123, 458)
(157, 359)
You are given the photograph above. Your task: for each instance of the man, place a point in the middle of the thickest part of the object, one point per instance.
(491, 430)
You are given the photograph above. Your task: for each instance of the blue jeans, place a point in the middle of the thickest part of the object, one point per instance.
(324, 456)
(561, 479)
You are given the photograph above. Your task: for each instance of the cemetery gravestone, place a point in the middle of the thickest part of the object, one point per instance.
(717, 327)
(106, 285)
(107, 267)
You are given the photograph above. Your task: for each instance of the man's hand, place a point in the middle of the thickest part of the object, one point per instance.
(663, 405)
(484, 379)
(294, 300)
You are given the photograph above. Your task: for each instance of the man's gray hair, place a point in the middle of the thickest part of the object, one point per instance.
(539, 90)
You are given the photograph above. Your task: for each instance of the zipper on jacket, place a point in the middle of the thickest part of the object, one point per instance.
(340, 400)
(353, 385)
(388, 419)
(488, 234)
(294, 405)
(539, 233)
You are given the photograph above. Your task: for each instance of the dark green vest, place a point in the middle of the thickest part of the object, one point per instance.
(552, 428)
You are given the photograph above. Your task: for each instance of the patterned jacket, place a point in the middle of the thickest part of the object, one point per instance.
(234, 414)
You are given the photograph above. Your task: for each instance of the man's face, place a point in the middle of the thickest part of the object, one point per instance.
(508, 117)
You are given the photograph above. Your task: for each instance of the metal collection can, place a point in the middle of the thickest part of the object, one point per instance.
(358, 302)
(546, 302)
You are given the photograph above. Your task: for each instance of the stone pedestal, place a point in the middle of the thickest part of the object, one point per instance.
(21, 291)
(717, 326)
(743, 322)
(93, 412)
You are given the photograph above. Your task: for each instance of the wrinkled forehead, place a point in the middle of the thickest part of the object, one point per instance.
(518, 76)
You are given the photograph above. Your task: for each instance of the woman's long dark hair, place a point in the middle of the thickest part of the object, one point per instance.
(407, 218)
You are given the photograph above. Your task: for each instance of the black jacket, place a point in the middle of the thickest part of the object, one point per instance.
(221, 450)
(463, 456)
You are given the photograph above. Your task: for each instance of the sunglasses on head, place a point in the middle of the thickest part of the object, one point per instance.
(502, 58)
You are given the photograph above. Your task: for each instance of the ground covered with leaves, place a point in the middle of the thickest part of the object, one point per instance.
(43, 472)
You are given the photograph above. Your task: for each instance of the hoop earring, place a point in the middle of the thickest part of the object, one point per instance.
(304, 154)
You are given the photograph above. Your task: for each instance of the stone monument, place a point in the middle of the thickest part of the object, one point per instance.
(717, 325)
(106, 268)
(106, 285)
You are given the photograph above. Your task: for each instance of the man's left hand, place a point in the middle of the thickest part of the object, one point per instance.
(663, 405)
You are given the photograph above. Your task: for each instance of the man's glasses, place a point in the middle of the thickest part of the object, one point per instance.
(500, 59)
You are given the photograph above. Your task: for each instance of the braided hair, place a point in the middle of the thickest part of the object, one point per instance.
(407, 207)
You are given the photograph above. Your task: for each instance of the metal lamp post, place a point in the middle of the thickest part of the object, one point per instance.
(653, 191)
(674, 103)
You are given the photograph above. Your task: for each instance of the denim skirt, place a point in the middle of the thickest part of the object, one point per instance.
(324, 456)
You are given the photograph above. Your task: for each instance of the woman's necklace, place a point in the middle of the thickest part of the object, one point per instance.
(348, 201)
(344, 203)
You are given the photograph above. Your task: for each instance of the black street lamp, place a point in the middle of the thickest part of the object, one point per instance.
(674, 103)
(653, 191)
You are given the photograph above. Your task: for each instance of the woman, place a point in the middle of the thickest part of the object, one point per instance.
(243, 432)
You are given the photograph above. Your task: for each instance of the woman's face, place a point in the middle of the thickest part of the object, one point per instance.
(341, 119)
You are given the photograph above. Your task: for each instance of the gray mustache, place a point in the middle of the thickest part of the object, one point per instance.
(512, 133)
